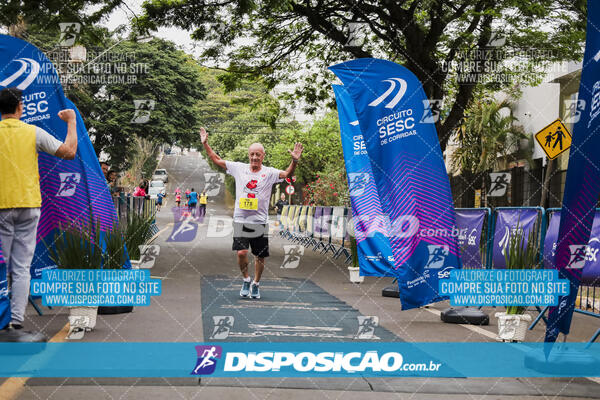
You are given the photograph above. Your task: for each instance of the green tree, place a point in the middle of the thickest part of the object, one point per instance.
(18, 15)
(230, 116)
(322, 148)
(488, 133)
(156, 71)
(429, 37)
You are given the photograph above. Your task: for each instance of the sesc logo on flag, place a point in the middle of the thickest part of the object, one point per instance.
(396, 99)
(27, 68)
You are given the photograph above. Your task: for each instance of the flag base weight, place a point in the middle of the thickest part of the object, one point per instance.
(464, 315)
(109, 310)
(391, 291)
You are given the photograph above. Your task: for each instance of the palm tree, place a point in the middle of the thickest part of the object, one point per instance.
(486, 134)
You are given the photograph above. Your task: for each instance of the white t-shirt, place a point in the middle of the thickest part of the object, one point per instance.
(46, 142)
(250, 184)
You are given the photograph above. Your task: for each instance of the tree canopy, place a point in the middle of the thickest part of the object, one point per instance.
(451, 45)
(155, 71)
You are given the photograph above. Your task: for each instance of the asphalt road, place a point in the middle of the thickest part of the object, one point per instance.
(315, 300)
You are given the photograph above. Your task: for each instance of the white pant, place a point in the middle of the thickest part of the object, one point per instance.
(18, 227)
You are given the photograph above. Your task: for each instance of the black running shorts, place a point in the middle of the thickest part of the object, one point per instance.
(254, 236)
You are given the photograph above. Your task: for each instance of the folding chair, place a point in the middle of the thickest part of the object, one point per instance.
(283, 220)
(301, 228)
(316, 237)
(309, 231)
(325, 229)
(290, 222)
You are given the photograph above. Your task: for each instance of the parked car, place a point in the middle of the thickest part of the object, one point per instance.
(160, 174)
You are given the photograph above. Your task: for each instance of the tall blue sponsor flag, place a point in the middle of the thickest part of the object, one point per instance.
(370, 228)
(71, 189)
(409, 172)
(582, 185)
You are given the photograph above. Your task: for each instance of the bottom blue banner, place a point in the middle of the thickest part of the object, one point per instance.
(304, 359)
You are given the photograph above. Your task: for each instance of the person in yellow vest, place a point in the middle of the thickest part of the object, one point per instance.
(20, 197)
(203, 201)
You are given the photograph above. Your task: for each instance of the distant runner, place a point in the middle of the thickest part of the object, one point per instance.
(159, 200)
(187, 197)
(253, 185)
(203, 202)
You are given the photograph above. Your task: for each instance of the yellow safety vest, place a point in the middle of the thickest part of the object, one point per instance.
(202, 199)
(19, 175)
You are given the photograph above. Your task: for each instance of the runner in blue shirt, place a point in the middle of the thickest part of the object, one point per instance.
(192, 202)
(159, 198)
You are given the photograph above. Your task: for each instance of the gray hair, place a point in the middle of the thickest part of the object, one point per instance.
(257, 144)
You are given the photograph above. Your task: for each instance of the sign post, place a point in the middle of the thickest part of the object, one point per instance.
(289, 189)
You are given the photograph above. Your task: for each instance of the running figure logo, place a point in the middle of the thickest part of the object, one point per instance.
(357, 183)
(578, 256)
(207, 359)
(143, 109)
(223, 325)
(68, 33)
(573, 109)
(499, 183)
(292, 254)
(185, 227)
(148, 254)
(68, 183)
(366, 327)
(497, 39)
(213, 180)
(431, 111)
(437, 256)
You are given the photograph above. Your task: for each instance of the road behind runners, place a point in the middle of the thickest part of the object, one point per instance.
(313, 302)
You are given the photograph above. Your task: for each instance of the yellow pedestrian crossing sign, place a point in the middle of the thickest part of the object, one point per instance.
(554, 139)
